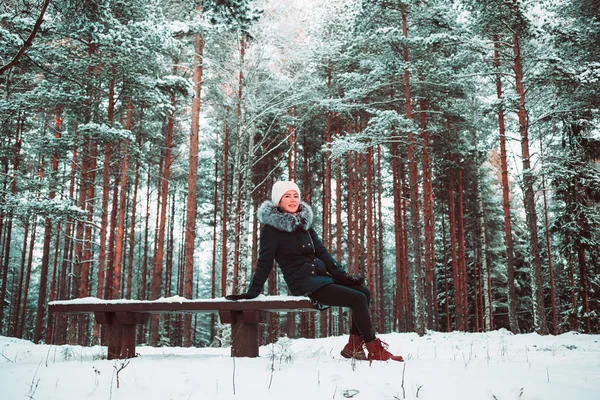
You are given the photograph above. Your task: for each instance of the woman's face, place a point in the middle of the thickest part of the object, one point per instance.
(290, 201)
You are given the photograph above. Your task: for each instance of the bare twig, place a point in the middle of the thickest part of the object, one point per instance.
(272, 363)
(48, 355)
(34, 383)
(419, 388)
(403, 391)
(124, 364)
(233, 377)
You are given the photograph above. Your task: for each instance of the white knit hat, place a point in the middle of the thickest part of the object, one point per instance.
(280, 188)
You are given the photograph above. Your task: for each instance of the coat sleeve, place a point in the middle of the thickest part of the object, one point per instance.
(267, 248)
(334, 268)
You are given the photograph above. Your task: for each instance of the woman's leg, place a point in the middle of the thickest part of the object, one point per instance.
(364, 290)
(355, 297)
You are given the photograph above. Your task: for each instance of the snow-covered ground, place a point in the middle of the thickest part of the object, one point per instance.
(495, 366)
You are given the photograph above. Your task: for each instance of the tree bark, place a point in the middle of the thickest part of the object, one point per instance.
(42, 301)
(399, 247)
(122, 205)
(190, 227)
(21, 326)
(427, 216)
(213, 281)
(53, 286)
(338, 230)
(19, 292)
(508, 241)
(549, 250)
(4, 268)
(462, 267)
(157, 272)
(100, 292)
(224, 212)
(539, 313)
(134, 202)
(414, 196)
(110, 270)
(455, 268)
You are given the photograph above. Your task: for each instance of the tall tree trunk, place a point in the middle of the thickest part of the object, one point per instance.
(100, 293)
(338, 229)
(190, 227)
(351, 237)
(42, 301)
(370, 264)
(4, 268)
(213, 281)
(67, 261)
(53, 286)
(110, 270)
(406, 299)
(549, 251)
(462, 265)
(414, 196)
(380, 247)
(455, 268)
(446, 285)
(174, 339)
(486, 287)
(510, 263)
(21, 326)
(584, 290)
(122, 205)
(136, 183)
(224, 212)
(327, 228)
(427, 213)
(290, 316)
(144, 283)
(539, 313)
(157, 271)
(398, 245)
(2, 216)
(240, 175)
(350, 207)
(17, 309)
(86, 265)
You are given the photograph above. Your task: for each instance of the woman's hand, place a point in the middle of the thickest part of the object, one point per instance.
(350, 280)
(242, 296)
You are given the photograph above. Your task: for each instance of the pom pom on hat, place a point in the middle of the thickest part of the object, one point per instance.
(280, 188)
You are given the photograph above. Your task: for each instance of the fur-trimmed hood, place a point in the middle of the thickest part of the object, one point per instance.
(269, 214)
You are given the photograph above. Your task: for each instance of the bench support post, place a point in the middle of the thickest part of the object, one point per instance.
(244, 331)
(121, 332)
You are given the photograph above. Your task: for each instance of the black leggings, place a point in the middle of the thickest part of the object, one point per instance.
(356, 297)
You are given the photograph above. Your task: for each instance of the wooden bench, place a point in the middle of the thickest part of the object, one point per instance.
(122, 316)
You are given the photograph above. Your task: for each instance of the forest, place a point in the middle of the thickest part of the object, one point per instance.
(450, 151)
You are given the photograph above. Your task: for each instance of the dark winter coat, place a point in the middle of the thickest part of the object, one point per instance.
(290, 240)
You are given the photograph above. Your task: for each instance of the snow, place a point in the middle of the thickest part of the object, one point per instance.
(495, 365)
(173, 299)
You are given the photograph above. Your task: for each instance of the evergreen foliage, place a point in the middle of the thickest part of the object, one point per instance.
(366, 99)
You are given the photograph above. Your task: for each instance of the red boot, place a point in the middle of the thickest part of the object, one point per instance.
(354, 348)
(378, 351)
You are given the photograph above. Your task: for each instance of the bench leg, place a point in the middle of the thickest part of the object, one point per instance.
(244, 336)
(121, 341)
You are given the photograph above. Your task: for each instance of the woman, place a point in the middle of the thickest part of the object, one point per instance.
(309, 270)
